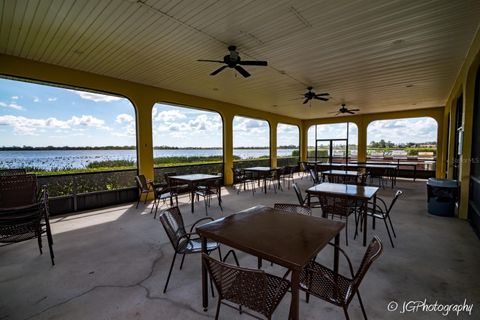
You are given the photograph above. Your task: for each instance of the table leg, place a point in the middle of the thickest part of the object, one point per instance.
(294, 306)
(204, 277)
(259, 263)
(265, 183)
(414, 173)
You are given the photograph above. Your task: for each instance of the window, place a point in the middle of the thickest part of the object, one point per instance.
(412, 139)
(251, 139)
(184, 135)
(51, 129)
(288, 138)
(320, 136)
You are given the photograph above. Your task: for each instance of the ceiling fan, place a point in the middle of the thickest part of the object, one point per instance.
(232, 60)
(343, 109)
(310, 94)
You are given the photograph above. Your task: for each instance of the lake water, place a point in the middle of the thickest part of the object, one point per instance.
(49, 159)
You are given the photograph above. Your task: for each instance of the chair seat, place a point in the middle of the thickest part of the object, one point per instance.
(321, 286)
(195, 246)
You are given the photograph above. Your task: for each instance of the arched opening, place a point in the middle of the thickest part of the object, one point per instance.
(186, 140)
(408, 141)
(251, 142)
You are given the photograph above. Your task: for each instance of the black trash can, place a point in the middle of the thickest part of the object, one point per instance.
(442, 196)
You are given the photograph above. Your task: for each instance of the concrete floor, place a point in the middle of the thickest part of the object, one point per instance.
(112, 264)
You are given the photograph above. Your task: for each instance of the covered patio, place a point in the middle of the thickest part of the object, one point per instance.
(397, 60)
(113, 262)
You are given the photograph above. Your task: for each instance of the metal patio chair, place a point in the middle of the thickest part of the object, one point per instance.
(183, 242)
(207, 189)
(23, 213)
(324, 283)
(382, 211)
(251, 288)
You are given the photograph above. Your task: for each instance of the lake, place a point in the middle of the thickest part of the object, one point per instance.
(73, 159)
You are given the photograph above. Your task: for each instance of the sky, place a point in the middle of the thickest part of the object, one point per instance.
(42, 115)
(416, 130)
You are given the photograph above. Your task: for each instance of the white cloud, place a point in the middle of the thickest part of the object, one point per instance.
(14, 98)
(52, 99)
(97, 97)
(250, 126)
(169, 116)
(11, 105)
(31, 126)
(36, 99)
(85, 120)
(403, 130)
(124, 118)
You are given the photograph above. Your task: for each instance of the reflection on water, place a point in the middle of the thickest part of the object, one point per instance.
(73, 159)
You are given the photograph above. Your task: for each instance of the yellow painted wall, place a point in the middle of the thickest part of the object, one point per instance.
(464, 84)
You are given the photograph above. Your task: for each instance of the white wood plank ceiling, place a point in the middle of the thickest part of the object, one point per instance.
(375, 55)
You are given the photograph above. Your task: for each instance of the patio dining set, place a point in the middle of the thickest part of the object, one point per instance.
(287, 235)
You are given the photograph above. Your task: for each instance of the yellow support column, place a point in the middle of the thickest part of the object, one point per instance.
(143, 109)
(362, 126)
(273, 143)
(303, 142)
(440, 171)
(227, 148)
(466, 157)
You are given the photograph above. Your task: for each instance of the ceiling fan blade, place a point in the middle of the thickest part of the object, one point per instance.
(306, 100)
(323, 94)
(253, 63)
(211, 61)
(354, 109)
(218, 70)
(242, 71)
(320, 98)
(350, 111)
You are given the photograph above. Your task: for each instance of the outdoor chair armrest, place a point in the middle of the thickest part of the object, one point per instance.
(200, 220)
(383, 203)
(350, 266)
(187, 237)
(376, 207)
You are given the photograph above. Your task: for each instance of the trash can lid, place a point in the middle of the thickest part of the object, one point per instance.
(444, 183)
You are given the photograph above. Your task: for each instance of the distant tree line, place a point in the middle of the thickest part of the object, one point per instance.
(388, 144)
(29, 148)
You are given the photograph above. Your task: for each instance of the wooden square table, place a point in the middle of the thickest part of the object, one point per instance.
(351, 191)
(289, 240)
(192, 180)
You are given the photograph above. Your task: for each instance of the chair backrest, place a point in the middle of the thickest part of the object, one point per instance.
(334, 204)
(293, 208)
(18, 190)
(397, 195)
(12, 172)
(374, 250)
(174, 226)
(301, 201)
(246, 287)
(142, 183)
